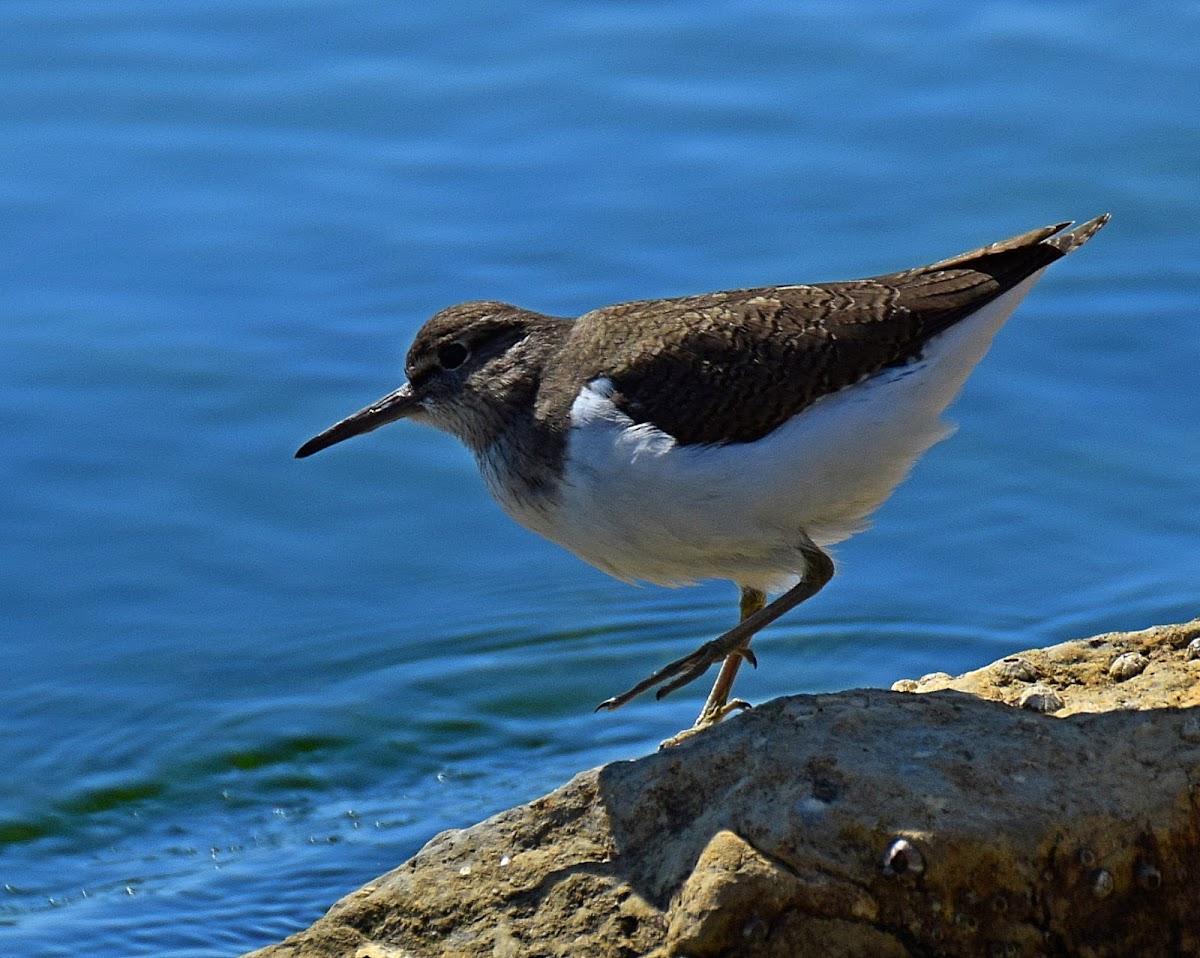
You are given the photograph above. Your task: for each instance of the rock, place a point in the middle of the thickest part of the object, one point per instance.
(941, 821)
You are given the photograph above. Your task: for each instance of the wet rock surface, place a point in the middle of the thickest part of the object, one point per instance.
(865, 823)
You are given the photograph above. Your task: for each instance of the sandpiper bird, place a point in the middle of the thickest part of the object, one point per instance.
(732, 435)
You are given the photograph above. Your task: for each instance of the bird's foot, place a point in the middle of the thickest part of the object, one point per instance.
(713, 716)
(687, 669)
(707, 719)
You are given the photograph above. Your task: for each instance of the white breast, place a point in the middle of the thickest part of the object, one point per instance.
(638, 506)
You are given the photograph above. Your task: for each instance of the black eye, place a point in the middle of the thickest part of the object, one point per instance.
(452, 355)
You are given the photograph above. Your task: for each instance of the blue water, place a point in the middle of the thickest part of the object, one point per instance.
(237, 686)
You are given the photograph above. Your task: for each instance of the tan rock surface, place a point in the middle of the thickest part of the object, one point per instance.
(866, 823)
(1082, 672)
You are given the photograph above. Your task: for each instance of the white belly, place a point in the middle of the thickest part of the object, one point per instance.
(640, 507)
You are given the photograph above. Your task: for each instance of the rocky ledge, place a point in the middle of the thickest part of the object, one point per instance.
(1044, 805)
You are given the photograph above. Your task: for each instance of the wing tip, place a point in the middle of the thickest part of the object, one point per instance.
(1073, 239)
(1051, 236)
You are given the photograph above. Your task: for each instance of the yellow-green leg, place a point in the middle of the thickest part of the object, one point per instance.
(731, 647)
(718, 704)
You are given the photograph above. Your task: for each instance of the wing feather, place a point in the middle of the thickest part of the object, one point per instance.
(733, 366)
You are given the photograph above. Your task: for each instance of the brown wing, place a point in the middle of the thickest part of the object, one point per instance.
(732, 366)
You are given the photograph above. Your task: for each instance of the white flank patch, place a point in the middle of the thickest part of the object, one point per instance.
(638, 506)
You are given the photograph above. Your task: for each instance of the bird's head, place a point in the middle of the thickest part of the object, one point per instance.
(466, 368)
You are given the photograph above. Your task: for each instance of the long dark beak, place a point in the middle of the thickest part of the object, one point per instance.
(391, 407)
